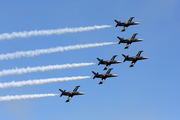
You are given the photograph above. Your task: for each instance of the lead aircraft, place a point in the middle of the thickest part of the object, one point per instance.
(126, 24)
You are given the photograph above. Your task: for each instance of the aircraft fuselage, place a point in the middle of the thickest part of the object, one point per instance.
(136, 58)
(110, 62)
(130, 40)
(71, 93)
(127, 23)
(105, 75)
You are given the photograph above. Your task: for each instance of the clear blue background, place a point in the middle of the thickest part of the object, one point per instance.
(149, 91)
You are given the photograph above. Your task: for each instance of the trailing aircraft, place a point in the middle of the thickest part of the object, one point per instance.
(108, 62)
(129, 41)
(103, 76)
(134, 59)
(71, 93)
(126, 24)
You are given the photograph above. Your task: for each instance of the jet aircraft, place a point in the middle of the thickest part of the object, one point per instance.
(129, 41)
(103, 76)
(126, 24)
(134, 58)
(108, 62)
(71, 93)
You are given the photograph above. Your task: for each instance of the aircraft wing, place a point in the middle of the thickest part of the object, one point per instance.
(69, 98)
(130, 19)
(109, 71)
(127, 45)
(124, 28)
(134, 35)
(139, 53)
(132, 64)
(113, 57)
(102, 80)
(75, 89)
(106, 66)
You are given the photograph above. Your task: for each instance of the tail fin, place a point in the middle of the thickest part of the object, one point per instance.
(120, 39)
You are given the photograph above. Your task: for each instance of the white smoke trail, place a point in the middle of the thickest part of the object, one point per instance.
(40, 81)
(26, 34)
(20, 97)
(37, 52)
(19, 71)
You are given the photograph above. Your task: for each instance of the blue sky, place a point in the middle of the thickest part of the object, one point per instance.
(148, 91)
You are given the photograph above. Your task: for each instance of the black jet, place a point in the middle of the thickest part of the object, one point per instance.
(71, 93)
(134, 58)
(126, 24)
(108, 62)
(103, 76)
(129, 41)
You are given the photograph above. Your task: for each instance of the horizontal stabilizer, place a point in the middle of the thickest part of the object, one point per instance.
(124, 55)
(117, 21)
(94, 73)
(99, 59)
(61, 90)
(120, 38)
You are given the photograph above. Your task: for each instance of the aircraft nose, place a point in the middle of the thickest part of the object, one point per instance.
(146, 57)
(140, 39)
(137, 23)
(82, 93)
(115, 75)
(119, 61)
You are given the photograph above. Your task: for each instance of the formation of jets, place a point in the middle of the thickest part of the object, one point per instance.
(103, 77)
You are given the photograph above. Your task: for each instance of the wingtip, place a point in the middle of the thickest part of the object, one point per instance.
(100, 83)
